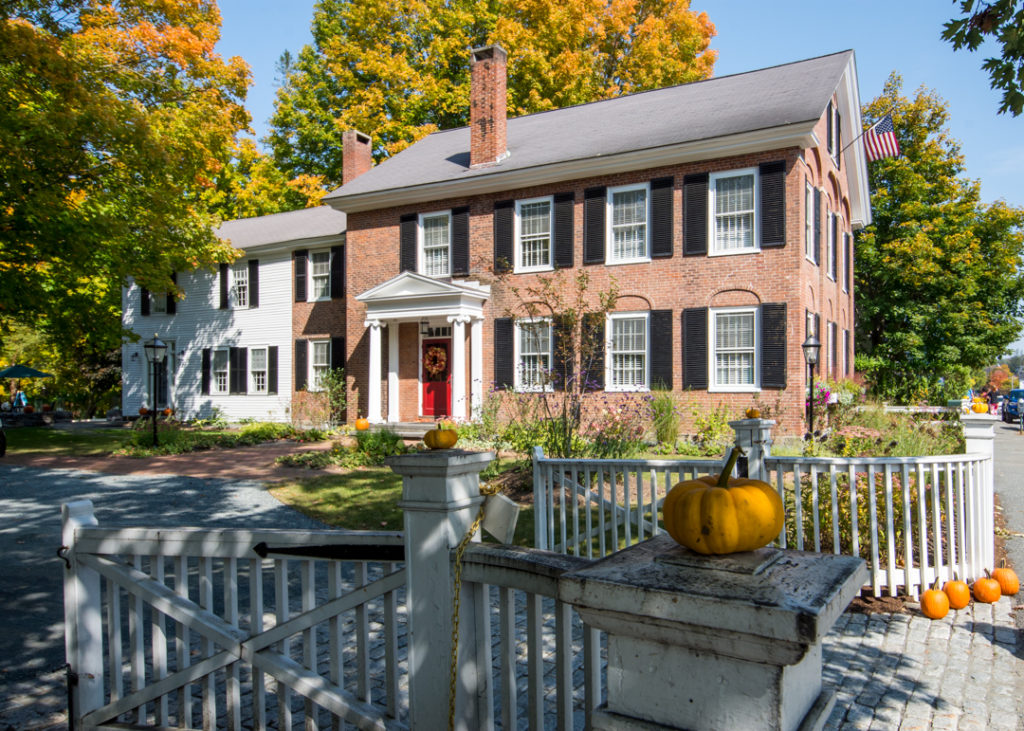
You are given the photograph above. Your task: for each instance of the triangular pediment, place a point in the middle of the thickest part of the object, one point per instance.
(409, 285)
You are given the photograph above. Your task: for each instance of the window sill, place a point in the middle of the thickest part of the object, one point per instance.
(622, 389)
(612, 263)
(736, 252)
(734, 389)
(533, 270)
(810, 260)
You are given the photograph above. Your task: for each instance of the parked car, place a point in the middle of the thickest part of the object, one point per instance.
(1011, 405)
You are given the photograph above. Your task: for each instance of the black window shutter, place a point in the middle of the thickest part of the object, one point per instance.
(830, 139)
(206, 372)
(237, 370)
(272, 369)
(817, 327)
(407, 242)
(504, 212)
(338, 352)
(834, 244)
(254, 284)
(839, 141)
(833, 336)
(301, 364)
(565, 206)
(660, 349)
(300, 274)
(661, 217)
(563, 355)
(593, 225)
(592, 372)
(847, 268)
(143, 301)
(172, 301)
(337, 272)
(773, 345)
(695, 347)
(504, 353)
(773, 204)
(223, 286)
(695, 215)
(817, 226)
(460, 242)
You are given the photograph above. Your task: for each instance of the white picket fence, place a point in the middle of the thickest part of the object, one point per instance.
(912, 519)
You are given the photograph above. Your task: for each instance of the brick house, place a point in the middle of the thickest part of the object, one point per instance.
(724, 210)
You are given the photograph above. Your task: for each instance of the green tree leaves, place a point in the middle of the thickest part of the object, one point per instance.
(1002, 21)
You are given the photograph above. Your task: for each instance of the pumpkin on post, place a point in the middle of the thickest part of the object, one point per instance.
(722, 514)
(443, 436)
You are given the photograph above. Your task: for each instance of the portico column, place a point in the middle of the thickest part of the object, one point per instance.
(373, 392)
(459, 366)
(476, 366)
(393, 416)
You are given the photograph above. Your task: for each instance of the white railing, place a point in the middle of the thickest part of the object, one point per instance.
(912, 519)
(593, 507)
(177, 627)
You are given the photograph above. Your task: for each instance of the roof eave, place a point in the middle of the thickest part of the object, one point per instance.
(796, 134)
(274, 247)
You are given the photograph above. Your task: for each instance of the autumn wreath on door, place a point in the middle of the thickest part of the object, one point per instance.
(435, 362)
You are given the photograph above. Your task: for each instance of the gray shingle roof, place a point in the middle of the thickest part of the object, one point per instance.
(757, 100)
(279, 228)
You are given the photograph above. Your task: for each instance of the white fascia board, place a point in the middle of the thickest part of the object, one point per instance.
(275, 247)
(797, 134)
(856, 160)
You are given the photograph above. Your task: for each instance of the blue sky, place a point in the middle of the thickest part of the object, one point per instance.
(898, 35)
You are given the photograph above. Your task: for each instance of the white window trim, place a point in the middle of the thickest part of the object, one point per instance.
(266, 371)
(713, 386)
(309, 276)
(233, 269)
(421, 253)
(835, 143)
(809, 223)
(832, 258)
(713, 249)
(517, 351)
(518, 267)
(609, 365)
(847, 254)
(214, 390)
(155, 297)
(311, 381)
(608, 238)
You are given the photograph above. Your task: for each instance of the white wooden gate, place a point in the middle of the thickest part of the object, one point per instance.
(195, 629)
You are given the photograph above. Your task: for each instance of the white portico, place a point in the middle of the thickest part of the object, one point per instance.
(436, 314)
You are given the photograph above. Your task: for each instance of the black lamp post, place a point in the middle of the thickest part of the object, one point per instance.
(156, 351)
(811, 348)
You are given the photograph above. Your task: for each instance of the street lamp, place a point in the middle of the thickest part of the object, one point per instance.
(811, 348)
(156, 351)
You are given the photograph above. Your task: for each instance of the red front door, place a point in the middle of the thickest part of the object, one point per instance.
(436, 376)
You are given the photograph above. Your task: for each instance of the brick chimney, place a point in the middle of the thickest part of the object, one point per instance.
(487, 106)
(357, 155)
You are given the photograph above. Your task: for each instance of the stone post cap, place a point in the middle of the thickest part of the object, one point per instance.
(439, 462)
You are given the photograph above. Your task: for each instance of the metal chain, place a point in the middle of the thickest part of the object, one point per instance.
(456, 593)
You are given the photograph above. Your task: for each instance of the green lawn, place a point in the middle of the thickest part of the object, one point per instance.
(45, 440)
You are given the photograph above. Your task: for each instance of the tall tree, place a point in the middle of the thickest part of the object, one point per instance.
(117, 116)
(1003, 22)
(938, 272)
(398, 69)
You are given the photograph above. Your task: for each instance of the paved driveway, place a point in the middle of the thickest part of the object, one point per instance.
(32, 695)
(1009, 485)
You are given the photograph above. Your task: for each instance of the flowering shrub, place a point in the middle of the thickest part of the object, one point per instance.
(617, 431)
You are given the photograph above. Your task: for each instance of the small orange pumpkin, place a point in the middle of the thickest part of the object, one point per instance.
(143, 411)
(987, 591)
(1009, 584)
(958, 592)
(979, 408)
(934, 603)
(168, 411)
(441, 438)
(753, 413)
(362, 424)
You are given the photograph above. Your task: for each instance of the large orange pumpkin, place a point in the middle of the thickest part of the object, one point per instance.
(934, 603)
(441, 438)
(958, 592)
(987, 591)
(1009, 584)
(722, 514)
(362, 424)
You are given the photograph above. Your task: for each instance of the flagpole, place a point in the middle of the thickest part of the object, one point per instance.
(864, 131)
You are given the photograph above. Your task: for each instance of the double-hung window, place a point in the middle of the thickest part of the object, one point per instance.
(240, 284)
(733, 221)
(436, 244)
(628, 215)
(533, 234)
(734, 354)
(809, 222)
(258, 370)
(157, 304)
(220, 371)
(319, 364)
(626, 362)
(320, 275)
(533, 355)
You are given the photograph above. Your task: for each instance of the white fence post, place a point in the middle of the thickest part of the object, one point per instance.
(83, 616)
(440, 499)
(980, 436)
(754, 437)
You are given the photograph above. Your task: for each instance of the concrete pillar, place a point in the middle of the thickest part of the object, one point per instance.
(393, 411)
(459, 374)
(713, 642)
(476, 367)
(754, 437)
(441, 498)
(373, 412)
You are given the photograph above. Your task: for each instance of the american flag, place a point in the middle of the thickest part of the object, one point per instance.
(880, 140)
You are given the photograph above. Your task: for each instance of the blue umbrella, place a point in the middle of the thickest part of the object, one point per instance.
(22, 371)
